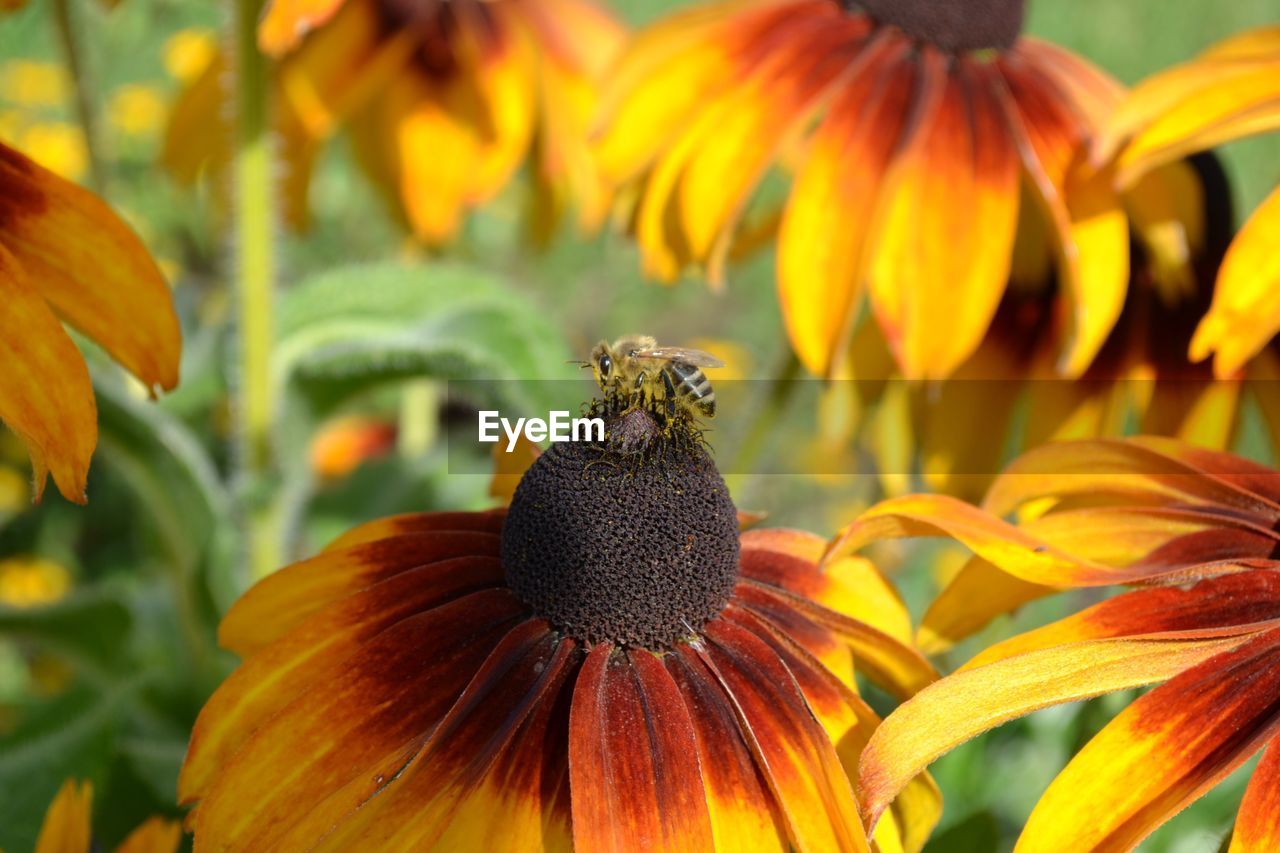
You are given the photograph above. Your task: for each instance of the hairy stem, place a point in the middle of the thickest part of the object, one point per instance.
(83, 93)
(254, 232)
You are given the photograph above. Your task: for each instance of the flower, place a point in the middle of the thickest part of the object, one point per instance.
(933, 146)
(606, 664)
(67, 829)
(32, 581)
(1230, 91)
(1194, 533)
(344, 443)
(444, 101)
(65, 256)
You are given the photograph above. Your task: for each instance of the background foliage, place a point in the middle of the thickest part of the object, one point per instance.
(107, 613)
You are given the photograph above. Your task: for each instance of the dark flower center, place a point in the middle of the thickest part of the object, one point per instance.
(634, 540)
(955, 26)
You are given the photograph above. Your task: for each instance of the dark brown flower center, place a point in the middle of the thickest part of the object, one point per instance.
(437, 23)
(956, 26)
(634, 540)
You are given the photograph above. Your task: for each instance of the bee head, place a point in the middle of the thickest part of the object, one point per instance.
(602, 364)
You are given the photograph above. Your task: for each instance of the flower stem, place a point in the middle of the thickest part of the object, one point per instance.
(254, 241)
(83, 92)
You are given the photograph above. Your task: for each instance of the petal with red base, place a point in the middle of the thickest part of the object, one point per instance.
(347, 727)
(789, 745)
(1162, 752)
(282, 601)
(316, 651)
(630, 744)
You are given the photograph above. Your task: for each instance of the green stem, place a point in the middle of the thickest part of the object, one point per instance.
(254, 240)
(83, 92)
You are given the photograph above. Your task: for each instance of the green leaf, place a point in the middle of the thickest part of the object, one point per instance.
(71, 738)
(185, 504)
(91, 628)
(349, 328)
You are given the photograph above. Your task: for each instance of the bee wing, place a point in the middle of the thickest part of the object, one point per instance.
(696, 357)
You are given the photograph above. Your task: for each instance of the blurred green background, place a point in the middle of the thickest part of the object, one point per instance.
(107, 612)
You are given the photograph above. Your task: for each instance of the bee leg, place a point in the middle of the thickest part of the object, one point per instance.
(670, 394)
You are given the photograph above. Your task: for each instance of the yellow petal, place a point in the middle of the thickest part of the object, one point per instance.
(1245, 313)
(66, 824)
(967, 703)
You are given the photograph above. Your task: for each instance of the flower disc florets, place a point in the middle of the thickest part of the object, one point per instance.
(632, 540)
(956, 26)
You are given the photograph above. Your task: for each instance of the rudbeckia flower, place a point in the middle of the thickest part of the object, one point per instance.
(606, 664)
(66, 257)
(1230, 91)
(444, 101)
(1193, 533)
(929, 141)
(67, 826)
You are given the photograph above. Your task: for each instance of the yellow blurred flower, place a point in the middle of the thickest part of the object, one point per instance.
(59, 147)
(67, 826)
(32, 83)
(32, 581)
(136, 110)
(1230, 91)
(15, 491)
(444, 102)
(188, 53)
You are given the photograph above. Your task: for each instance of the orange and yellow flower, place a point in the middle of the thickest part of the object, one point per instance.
(66, 257)
(1194, 533)
(935, 151)
(594, 667)
(1230, 91)
(443, 100)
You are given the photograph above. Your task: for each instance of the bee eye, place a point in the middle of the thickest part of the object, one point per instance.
(606, 365)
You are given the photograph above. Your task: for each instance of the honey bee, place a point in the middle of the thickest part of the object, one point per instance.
(634, 370)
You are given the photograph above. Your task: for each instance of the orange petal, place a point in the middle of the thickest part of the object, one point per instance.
(1161, 753)
(828, 222)
(1258, 822)
(283, 600)
(943, 257)
(852, 586)
(967, 703)
(154, 835)
(1133, 470)
(46, 396)
(1245, 313)
(500, 751)
(509, 467)
(90, 267)
(975, 596)
(399, 688)
(790, 747)
(418, 522)
(672, 70)
(1225, 606)
(66, 826)
(893, 664)
(286, 22)
(630, 741)
(317, 650)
